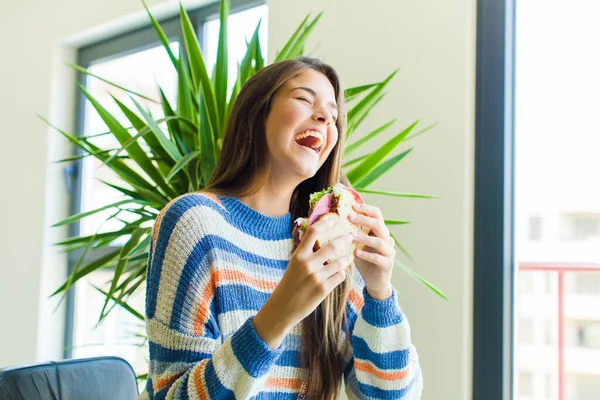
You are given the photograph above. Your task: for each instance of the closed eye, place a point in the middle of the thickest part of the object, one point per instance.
(305, 99)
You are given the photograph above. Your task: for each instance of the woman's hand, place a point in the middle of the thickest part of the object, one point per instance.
(304, 285)
(376, 260)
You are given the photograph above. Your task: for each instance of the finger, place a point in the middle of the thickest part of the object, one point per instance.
(376, 225)
(373, 258)
(368, 209)
(376, 243)
(340, 264)
(336, 278)
(333, 248)
(305, 248)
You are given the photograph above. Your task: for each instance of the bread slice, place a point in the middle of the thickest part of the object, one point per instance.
(340, 207)
(341, 227)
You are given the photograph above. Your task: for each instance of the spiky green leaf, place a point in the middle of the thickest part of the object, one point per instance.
(351, 93)
(381, 169)
(385, 193)
(123, 260)
(295, 46)
(421, 280)
(366, 139)
(86, 270)
(202, 82)
(164, 40)
(373, 160)
(182, 163)
(222, 62)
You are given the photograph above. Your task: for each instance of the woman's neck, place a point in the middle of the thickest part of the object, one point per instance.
(271, 199)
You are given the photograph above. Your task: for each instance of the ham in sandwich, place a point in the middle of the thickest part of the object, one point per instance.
(334, 204)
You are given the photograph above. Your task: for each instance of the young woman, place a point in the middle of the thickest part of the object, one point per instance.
(234, 311)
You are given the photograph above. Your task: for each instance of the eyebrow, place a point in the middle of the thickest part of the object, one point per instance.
(311, 91)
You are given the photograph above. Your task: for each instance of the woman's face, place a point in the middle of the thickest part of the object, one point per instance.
(300, 127)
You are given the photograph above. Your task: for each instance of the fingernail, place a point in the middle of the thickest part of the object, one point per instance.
(353, 216)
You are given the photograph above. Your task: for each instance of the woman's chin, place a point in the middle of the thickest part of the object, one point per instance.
(299, 167)
(304, 172)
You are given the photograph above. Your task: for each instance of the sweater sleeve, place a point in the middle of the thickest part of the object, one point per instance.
(188, 357)
(382, 361)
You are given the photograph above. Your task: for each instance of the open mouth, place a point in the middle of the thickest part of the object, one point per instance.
(310, 139)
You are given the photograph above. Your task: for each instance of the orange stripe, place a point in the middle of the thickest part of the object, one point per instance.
(199, 380)
(158, 221)
(217, 278)
(203, 312)
(385, 376)
(166, 381)
(240, 277)
(283, 383)
(356, 300)
(213, 197)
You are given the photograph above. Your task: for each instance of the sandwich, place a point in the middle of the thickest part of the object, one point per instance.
(334, 204)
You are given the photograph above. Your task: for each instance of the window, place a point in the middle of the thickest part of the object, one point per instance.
(138, 62)
(587, 283)
(549, 329)
(550, 282)
(535, 228)
(586, 387)
(550, 386)
(141, 72)
(580, 226)
(526, 281)
(588, 334)
(526, 384)
(526, 331)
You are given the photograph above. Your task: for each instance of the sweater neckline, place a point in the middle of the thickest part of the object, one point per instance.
(248, 216)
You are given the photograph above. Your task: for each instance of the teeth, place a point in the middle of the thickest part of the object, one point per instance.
(314, 144)
(302, 135)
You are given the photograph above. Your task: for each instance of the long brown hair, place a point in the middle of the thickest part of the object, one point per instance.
(243, 168)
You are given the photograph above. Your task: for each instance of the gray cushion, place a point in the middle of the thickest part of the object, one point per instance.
(90, 378)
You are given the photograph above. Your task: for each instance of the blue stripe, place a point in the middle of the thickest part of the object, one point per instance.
(289, 358)
(252, 352)
(161, 394)
(182, 390)
(197, 266)
(381, 313)
(236, 256)
(214, 387)
(163, 354)
(228, 298)
(391, 360)
(170, 219)
(352, 317)
(217, 242)
(233, 219)
(149, 387)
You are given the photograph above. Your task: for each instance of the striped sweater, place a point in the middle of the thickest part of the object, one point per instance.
(213, 263)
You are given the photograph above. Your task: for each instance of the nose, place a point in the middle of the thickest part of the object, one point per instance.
(323, 117)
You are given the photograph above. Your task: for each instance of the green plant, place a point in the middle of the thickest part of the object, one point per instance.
(181, 158)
